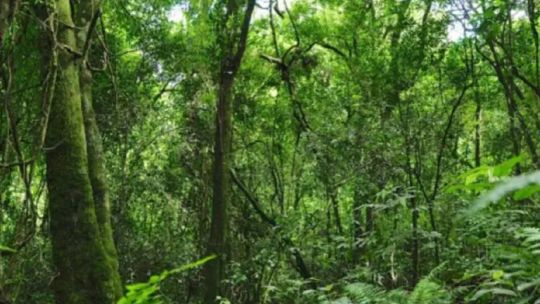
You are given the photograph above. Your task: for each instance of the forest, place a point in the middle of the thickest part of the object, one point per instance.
(269, 151)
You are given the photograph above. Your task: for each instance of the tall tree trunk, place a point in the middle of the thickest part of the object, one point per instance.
(478, 110)
(218, 229)
(532, 15)
(86, 16)
(85, 273)
(230, 63)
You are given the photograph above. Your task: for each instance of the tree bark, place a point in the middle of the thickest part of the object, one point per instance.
(214, 270)
(84, 271)
(477, 134)
(86, 16)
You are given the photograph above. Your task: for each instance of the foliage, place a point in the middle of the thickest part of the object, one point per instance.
(426, 291)
(145, 293)
(5, 249)
(381, 151)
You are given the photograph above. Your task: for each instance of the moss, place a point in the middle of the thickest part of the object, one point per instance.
(98, 177)
(85, 271)
(84, 14)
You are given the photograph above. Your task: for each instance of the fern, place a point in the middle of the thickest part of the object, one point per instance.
(518, 279)
(429, 292)
(362, 293)
(426, 292)
(529, 261)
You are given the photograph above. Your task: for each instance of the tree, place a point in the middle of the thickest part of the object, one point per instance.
(232, 46)
(362, 151)
(83, 249)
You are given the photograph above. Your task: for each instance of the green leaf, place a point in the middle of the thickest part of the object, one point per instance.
(503, 291)
(526, 192)
(472, 175)
(143, 293)
(328, 287)
(480, 293)
(137, 286)
(7, 249)
(506, 167)
(508, 186)
(527, 285)
(497, 274)
(194, 264)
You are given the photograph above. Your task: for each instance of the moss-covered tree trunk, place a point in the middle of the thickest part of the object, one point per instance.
(86, 16)
(85, 272)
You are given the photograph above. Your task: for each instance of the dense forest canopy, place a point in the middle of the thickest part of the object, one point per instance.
(269, 151)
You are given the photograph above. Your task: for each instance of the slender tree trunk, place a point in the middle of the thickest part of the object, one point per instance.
(218, 228)
(214, 270)
(478, 110)
(415, 254)
(477, 134)
(531, 13)
(332, 196)
(85, 273)
(358, 233)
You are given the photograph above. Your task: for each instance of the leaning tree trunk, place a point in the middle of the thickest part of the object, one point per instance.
(85, 273)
